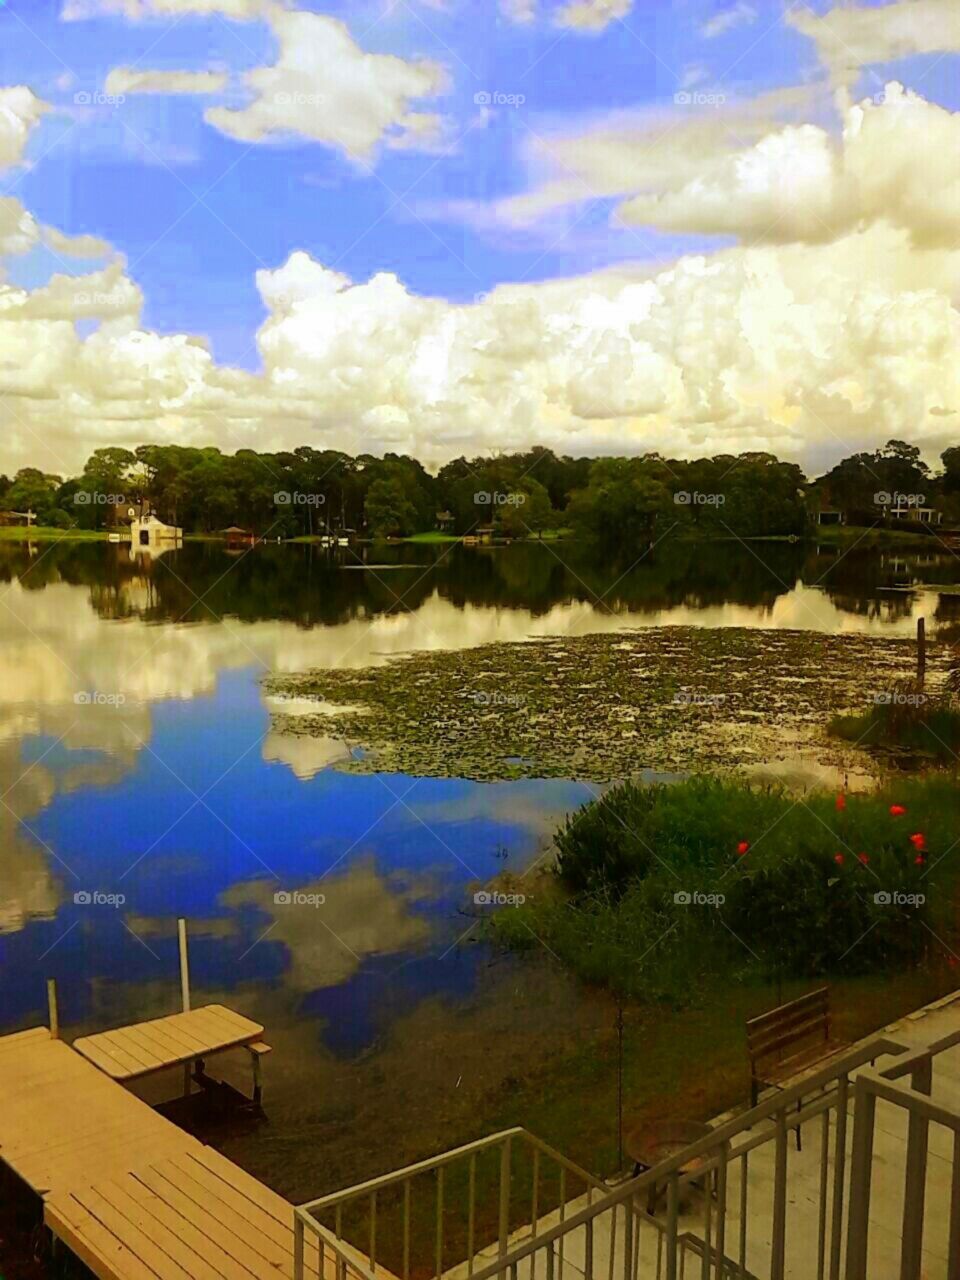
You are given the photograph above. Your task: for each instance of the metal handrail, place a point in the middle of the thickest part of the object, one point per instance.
(345, 1259)
(505, 1141)
(718, 1141)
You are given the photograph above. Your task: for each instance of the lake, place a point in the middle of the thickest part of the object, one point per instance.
(140, 769)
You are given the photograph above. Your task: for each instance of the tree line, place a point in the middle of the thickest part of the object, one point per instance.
(615, 500)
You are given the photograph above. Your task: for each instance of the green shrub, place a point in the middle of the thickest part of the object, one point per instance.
(659, 886)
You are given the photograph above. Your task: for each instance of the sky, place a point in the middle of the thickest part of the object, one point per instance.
(450, 227)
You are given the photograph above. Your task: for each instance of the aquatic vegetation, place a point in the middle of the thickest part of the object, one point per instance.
(907, 722)
(605, 707)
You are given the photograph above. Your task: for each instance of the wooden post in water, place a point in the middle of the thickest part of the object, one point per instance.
(54, 1012)
(184, 990)
(921, 651)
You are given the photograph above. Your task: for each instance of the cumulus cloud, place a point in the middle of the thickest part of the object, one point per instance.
(803, 342)
(20, 112)
(18, 228)
(126, 80)
(241, 10)
(324, 87)
(727, 19)
(799, 184)
(76, 246)
(592, 15)
(794, 348)
(522, 11)
(852, 37)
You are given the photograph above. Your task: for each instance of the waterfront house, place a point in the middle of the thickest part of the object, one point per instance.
(150, 532)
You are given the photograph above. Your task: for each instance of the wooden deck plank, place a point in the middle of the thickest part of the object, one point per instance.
(242, 1241)
(274, 1215)
(107, 1257)
(122, 1229)
(169, 1241)
(203, 1245)
(230, 1208)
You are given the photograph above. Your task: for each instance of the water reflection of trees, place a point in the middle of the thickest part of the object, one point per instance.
(308, 586)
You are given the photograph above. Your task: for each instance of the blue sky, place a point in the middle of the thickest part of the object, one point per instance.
(128, 173)
(428, 225)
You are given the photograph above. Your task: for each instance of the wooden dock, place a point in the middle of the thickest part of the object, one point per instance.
(130, 1194)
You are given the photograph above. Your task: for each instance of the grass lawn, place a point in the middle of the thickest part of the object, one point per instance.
(47, 533)
(843, 535)
(433, 535)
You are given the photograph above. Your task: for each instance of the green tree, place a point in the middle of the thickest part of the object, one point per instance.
(387, 509)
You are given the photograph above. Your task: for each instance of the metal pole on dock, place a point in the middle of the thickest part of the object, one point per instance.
(184, 990)
(54, 1011)
(921, 651)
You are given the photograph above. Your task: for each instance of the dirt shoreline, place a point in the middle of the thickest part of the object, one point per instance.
(604, 707)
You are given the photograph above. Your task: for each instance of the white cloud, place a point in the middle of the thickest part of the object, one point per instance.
(735, 15)
(325, 88)
(20, 113)
(521, 11)
(897, 162)
(241, 10)
(852, 37)
(19, 231)
(126, 80)
(592, 15)
(797, 349)
(806, 344)
(76, 246)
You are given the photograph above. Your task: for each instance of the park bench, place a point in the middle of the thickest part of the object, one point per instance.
(787, 1040)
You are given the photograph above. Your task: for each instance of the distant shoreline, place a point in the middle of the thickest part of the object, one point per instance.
(835, 535)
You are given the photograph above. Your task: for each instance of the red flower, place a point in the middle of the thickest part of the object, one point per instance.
(918, 840)
(897, 810)
(841, 802)
(742, 847)
(919, 859)
(838, 859)
(863, 857)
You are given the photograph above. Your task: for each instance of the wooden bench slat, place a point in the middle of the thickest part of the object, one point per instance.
(816, 998)
(780, 1038)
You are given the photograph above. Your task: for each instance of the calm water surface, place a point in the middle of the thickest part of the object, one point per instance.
(137, 761)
